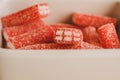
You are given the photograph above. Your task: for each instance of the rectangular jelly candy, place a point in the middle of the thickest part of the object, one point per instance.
(40, 35)
(35, 12)
(17, 30)
(91, 36)
(91, 20)
(108, 36)
(68, 36)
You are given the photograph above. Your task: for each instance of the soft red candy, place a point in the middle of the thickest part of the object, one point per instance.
(27, 15)
(85, 45)
(91, 36)
(91, 20)
(47, 46)
(17, 30)
(43, 34)
(68, 36)
(108, 36)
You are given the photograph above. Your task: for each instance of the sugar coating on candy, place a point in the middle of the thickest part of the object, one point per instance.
(108, 36)
(47, 46)
(91, 36)
(82, 45)
(68, 36)
(91, 20)
(44, 9)
(43, 34)
(27, 15)
(85, 45)
(17, 30)
(61, 25)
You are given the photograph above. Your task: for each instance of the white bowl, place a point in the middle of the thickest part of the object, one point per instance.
(60, 64)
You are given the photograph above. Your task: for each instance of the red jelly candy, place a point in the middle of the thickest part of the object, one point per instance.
(61, 25)
(85, 45)
(108, 36)
(17, 30)
(91, 20)
(35, 12)
(68, 36)
(91, 36)
(41, 35)
(47, 46)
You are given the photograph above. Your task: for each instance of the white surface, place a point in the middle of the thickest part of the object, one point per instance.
(60, 64)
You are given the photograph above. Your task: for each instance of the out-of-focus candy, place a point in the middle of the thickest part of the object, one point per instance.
(35, 12)
(68, 36)
(91, 36)
(91, 20)
(41, 35)
(47, 46)
(108, 36)
(17, 30)
(85, 45)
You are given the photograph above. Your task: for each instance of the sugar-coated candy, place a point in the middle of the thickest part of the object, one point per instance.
(17, 30)
(68, 36)
(108, 36)
(91, 36)
(91, 20)
(85, 45)
(47, 46)
(27, 15)
(43, 34)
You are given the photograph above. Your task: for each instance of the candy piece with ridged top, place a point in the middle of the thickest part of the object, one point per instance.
(108, 36)
(27, 15)
(61, 25)
(91, 20)
(17, 30)
(43, 34)
(68, 36)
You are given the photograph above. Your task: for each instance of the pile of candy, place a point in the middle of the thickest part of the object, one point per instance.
(26, 30)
